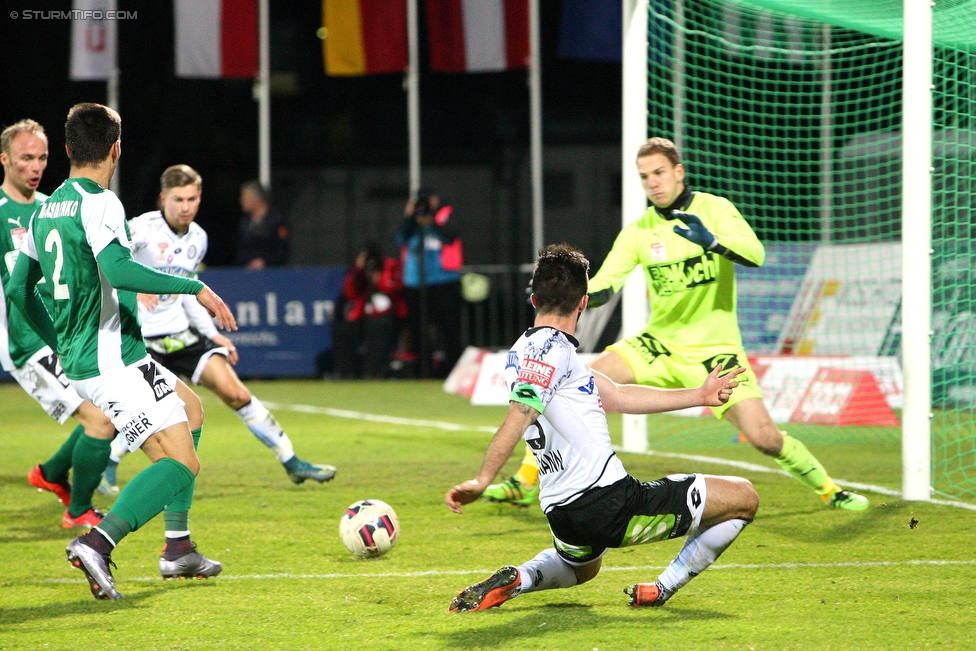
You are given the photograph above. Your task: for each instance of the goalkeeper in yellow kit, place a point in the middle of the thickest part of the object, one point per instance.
(688, 244)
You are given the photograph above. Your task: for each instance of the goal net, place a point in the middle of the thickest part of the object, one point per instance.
(793, 111)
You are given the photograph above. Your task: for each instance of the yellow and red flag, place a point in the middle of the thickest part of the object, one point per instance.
(364, 37)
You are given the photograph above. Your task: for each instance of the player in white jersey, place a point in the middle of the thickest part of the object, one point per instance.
(180, 334)
(78, 242)
(557, 405)
(23, 155)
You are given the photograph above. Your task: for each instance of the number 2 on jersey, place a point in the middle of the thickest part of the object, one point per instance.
(53, 243)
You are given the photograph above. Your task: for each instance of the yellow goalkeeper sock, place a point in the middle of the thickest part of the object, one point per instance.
(795, 459)
(528, 472)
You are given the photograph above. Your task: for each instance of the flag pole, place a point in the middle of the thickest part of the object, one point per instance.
(262, 91)
(412, 84)
(535, 108)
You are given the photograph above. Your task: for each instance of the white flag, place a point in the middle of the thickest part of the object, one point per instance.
(93, 40)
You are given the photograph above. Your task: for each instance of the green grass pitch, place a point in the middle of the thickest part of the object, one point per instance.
(800, 577)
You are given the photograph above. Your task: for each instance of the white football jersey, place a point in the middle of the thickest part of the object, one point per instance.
(570, 439)
(156, 245)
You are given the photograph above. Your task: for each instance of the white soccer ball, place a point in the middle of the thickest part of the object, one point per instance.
(369, 528)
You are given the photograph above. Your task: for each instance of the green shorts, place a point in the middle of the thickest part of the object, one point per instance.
(654, 365)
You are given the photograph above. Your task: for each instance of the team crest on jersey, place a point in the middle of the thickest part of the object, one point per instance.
(191, 252)
(17, 235)
(537, 373)
(161, 256)
(658, 252)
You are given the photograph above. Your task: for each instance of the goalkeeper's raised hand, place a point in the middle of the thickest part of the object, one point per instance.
(695, 231)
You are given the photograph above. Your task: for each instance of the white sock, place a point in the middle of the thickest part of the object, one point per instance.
(700, 550)
(266, 429)
(545, 572)
(119, 450)
(177, 534)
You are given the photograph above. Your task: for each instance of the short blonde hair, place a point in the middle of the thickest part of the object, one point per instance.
(660, 146)
(177, 176)
(17, 128)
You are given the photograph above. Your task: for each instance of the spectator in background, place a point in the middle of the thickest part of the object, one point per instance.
(372, 309)
(262, 237)
(430, 249)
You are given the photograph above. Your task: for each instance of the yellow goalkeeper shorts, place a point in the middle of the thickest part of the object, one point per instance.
(656, 366)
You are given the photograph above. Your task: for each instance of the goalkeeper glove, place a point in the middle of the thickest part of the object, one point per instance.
(695, 231)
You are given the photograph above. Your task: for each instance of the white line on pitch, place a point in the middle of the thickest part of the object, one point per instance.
(378, 418)
(636, 568)
(455, 427)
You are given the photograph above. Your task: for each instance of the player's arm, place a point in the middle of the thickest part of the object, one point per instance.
(122, 272)
(199, 317)
(20, 288)
(621, 260)
(732, 238)
(637, 399)
(520, 417)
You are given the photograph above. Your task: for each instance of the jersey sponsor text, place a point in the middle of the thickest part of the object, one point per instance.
(685, 274)
(536, 372)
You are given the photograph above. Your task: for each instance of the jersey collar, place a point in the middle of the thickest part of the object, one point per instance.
(681, 203)
(573, 340)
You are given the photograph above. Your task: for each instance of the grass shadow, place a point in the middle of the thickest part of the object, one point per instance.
(483, 630)
(13, 617)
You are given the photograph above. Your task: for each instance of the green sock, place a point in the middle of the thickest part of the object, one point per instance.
(177, 516)
(56, 468)
(145, 496)
(795, 459)
(88, 461)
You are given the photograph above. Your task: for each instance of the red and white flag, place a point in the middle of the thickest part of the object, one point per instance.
(93, 41)
(216, 38)
(478, 35)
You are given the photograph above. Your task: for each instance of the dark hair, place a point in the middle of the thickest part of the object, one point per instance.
(255, 186)
(660, 146)
(560, 279)
(90, 132)
(373, 262)
(421, 207)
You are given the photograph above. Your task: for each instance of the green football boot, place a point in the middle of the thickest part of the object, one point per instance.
(511, 491)
(848, 501)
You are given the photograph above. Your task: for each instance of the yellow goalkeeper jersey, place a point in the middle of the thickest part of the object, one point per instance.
(691, 290)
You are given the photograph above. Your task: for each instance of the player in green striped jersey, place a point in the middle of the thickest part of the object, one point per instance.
(79, 243)
(23, 155)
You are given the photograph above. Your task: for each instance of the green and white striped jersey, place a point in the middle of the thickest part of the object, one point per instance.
(97, 325)
(18, 341)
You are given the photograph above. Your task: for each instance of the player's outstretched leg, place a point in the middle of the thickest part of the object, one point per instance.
(180, 558)
(752, 418)
(87, 463)
(92, 554)
(802, 465)
(547, 571)
(267, 430)
(730, 505)
(521, 489)
(52, 475)
(493, 591)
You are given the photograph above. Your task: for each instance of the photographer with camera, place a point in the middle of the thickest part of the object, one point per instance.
(372, 310)
(430, 250)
